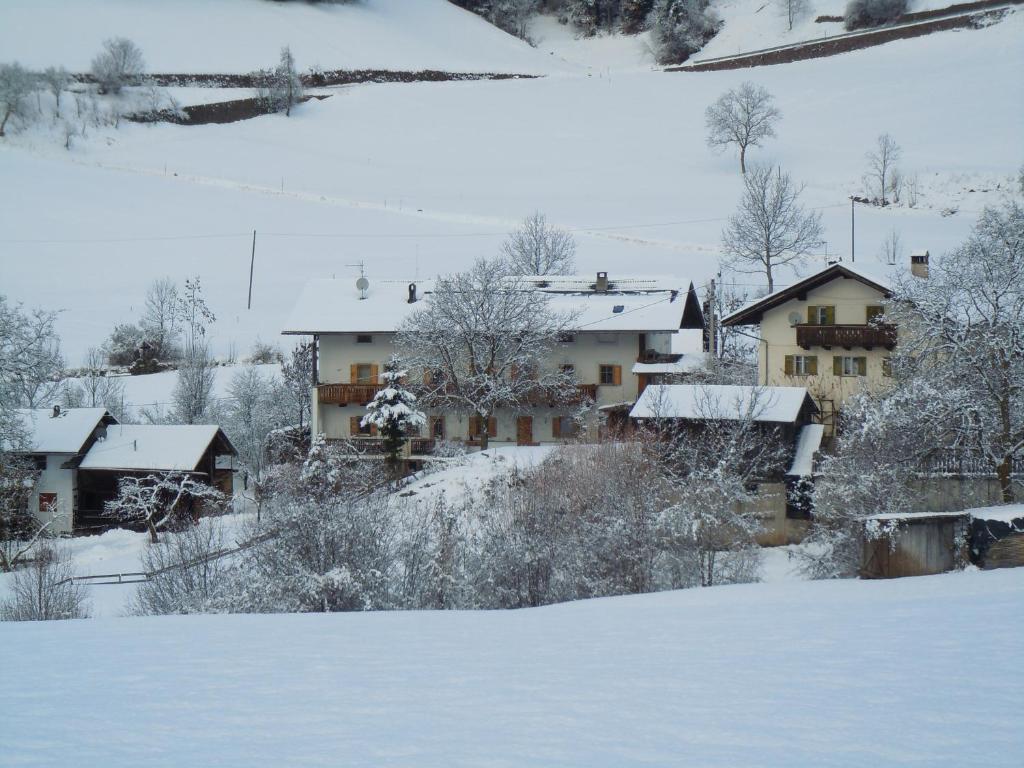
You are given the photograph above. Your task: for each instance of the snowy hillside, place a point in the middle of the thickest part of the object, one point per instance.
(837, 673)
(243, 35)
(421, 178)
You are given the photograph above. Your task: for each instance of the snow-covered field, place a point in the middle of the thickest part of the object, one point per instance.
(186, 36)
(421, 178)
(921, 672)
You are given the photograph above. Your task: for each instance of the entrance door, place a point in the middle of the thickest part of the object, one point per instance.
(524, 430)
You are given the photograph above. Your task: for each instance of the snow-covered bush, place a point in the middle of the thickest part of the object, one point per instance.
(280, 88)
(680, 28)
(185, 575)
(16, 83)
(44, 589)
(871, 13)
(119, 64)
(159, 501)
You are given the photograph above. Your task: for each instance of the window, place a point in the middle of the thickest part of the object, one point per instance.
(609, 374)
(567, 338)
(569, 369)
(437, 428)
(844, 365)
(801, 365)
(874, 314)
(821, 315)
(607, 338)
(355, 427)
(364, 373)
(47, 503)
(476, 427)
(564, 426)
(887, 366)
(364, 338)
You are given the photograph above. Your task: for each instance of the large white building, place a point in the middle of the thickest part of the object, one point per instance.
(628, 332)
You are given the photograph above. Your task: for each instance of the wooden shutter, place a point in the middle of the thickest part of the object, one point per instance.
(616, 375)
(837, 365)
(353, 425)
(373, 430)
(862, 366)
(830, 316)
(492, 426)
(374, 372)
(353, 371)
(812, 365)
(428, 377)
(789, 365)
(474, 427)
(812, 315)
(556, 426)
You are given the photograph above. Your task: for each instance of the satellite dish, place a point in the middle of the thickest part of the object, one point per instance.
(794, 318)
(362, 283)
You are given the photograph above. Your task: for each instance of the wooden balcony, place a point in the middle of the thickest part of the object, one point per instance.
(583, 392)
(343, 394)
(846, 336)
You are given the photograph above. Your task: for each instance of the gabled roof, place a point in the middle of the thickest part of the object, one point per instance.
(874, 276)
(155, 447)
(632, 304)
(65, 433)
(697, 402)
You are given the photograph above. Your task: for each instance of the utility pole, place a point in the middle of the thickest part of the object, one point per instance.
(252, 265)
(712, 319)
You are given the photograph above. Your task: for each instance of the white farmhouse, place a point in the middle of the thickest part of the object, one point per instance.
(622, 340)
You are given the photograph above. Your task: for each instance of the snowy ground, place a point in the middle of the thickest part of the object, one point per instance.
(844, 673)
(185, 36)
(388, 175)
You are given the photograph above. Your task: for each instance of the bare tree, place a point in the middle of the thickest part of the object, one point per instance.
(792, 10)
(892, 247)
(254, 415)
(119, 64)
(161, 316)
(280, 88)
(965, 336)
(16, 83)
(46, 590)
(31, 364)
(95, 388)
(770, 228)
(537, 248)
(57, 80)
(743, 116)
(192, 397)
(881, 167)
(481, 342)
(297, 379)
(159, 500)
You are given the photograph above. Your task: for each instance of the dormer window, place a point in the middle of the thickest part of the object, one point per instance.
(364, 338)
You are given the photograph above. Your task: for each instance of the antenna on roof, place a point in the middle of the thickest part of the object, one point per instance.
(362, 283)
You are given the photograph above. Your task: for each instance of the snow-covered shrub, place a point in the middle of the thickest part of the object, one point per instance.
(871, 13)
(16, 83)
(44, 589)
(280, 88)
(119, 64)
(680, 28)
(186, 577)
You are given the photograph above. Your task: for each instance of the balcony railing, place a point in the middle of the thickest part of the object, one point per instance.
(846, 336)
(343, 394)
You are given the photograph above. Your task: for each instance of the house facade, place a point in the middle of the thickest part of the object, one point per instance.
(81, 453)
(826, 333)
(621, 325)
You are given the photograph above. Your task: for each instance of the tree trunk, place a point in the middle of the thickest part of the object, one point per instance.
(152, 530)
(1005, 474)
(743, 159)
(3, 123)
(768, 274)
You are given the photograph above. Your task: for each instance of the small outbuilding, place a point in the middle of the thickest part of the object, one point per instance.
(914, 544)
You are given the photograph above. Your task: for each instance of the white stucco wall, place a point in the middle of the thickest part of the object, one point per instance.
(55, 479)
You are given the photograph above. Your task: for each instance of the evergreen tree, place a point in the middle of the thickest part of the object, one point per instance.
(393, 411)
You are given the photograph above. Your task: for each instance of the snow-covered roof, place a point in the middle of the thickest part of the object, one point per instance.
(65, 433)
(151, 447)
(877, 275)
(780, 405)
(685, 364)
(807, 444)
(337, 306)
(1005, 513)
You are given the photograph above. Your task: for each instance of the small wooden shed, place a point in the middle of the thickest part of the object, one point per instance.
(915, 544)
(997, 536)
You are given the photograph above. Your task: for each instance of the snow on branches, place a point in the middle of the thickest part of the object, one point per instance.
(393, 411)
(159, 499)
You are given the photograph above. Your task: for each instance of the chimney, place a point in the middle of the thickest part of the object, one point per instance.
(412, 293)
(919, 264)
(56, 411)
(601, 286)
